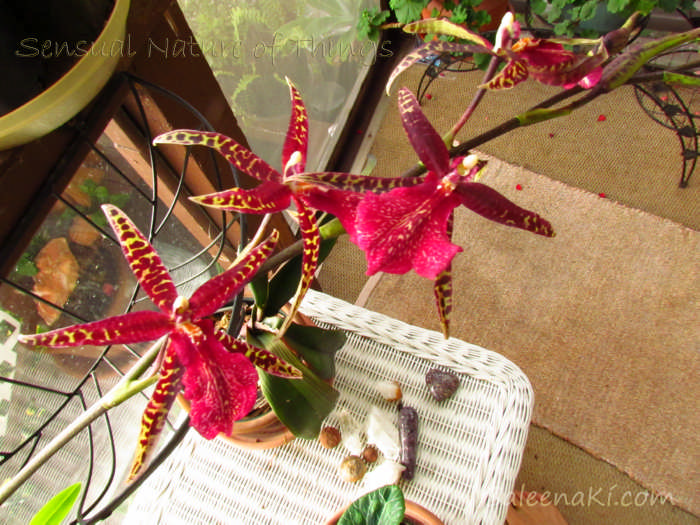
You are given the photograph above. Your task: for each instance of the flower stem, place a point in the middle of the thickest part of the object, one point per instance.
(128, 386)
(330, 230)
(490, 72)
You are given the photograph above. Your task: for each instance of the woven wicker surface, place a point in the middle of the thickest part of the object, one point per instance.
(470, 447)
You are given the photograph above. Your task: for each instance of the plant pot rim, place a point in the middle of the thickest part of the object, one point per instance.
(62, 100)
(414, 511)
(256, 433)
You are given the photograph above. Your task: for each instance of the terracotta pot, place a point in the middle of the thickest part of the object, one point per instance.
(414, 512)
(258, 432)
(263, 431)
(496, 8)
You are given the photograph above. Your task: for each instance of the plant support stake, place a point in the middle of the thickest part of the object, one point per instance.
(129, 385)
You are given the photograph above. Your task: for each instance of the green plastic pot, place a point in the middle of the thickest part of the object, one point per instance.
(73, 91)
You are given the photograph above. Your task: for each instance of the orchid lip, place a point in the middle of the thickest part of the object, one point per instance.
(181, 305)
(295, 158)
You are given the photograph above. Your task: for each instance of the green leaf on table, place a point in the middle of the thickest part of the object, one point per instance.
(384, 506)
(317, 346)
(58, 507)
(302, 404)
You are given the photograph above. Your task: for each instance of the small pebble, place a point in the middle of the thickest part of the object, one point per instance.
(352, 469)
(370, 454)
(442, 384)
(329, 437)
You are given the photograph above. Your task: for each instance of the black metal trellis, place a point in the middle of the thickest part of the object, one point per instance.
(104, 491)
(675, 107)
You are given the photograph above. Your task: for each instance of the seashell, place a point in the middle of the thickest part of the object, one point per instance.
(388, 472)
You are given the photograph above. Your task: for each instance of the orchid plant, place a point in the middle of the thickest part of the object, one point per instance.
(401, 223)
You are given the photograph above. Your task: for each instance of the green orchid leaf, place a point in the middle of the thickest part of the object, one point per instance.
(58, 507)
(260, 288)
(302, 404)
(383, 506)
(316, 346)
(285, 282)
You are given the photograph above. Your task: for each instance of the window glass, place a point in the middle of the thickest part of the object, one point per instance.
(252, 46)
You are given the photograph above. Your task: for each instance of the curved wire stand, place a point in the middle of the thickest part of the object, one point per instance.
(674, 107)
(108, 493)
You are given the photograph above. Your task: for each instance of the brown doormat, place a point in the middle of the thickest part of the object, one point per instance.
(603, 319)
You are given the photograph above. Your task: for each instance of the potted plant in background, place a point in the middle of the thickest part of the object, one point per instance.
(596, 17)
(401, 223)
(481, 16)
(62, 65)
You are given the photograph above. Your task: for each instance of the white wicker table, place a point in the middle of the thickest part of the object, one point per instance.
(470, 446)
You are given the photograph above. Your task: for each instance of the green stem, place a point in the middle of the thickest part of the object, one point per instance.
(330, 230)
(127, 387)
(490, 72)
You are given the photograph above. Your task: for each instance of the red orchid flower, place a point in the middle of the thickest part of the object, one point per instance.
(275, 193)
(336, 193)
(215, 370)
(410, 228)
(545, 60)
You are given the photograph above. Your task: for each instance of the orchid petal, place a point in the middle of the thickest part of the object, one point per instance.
(445, 27)
(432, 48)
(627, 63)
(261, 358)
(405, 229)
(490, 204)
(143, 259)
(217, 290)
(221, 386)
(133, 327)
(297, 139)
(442, 288)
(513, 73)
(425, 140)
(156, 411)
(311, 246)
(244, 159)
(352, 182)
(268, 197)
(340, 204)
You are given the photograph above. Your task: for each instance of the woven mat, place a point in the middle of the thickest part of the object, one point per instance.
(603, 319)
